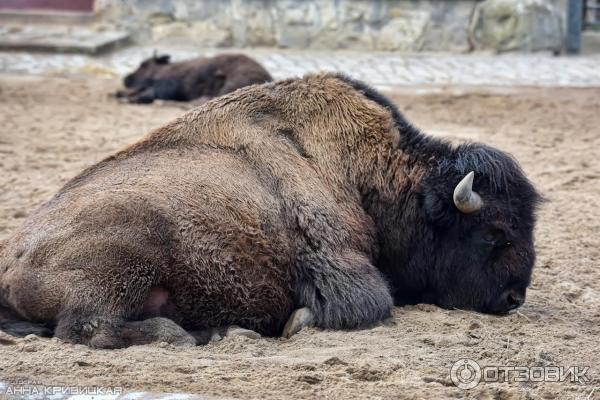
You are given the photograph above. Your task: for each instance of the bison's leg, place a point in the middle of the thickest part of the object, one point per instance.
(164, 89)
(109, 329)
(156, 330)
(121, 94)
(128, 95)
(341, 292)
(113, 289)
(144, 96)
(112, 332)
(96, 316)
(93, 328)
(160, 329)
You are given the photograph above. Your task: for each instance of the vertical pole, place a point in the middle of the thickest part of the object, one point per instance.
(574, 21)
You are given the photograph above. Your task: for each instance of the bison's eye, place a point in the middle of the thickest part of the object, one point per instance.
(495, 238)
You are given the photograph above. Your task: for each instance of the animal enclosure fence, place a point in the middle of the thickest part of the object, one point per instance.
(591, 14)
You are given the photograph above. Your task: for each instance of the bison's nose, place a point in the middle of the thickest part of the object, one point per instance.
(509, 300)
(515, 299)
(128, 81)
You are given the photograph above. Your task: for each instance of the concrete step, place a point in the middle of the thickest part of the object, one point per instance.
(590, 42)
(60, 38)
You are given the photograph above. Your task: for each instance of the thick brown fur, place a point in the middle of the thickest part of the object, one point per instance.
(261, 201)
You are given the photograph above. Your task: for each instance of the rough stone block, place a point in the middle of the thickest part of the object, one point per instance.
(404, 32)
(392, 25)
(527, 25)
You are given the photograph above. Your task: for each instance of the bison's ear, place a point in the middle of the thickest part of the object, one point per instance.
(164, 59)
(436, 207)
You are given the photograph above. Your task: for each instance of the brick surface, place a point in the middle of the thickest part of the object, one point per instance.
(377, 68)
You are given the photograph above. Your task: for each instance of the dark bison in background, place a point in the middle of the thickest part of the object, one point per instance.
(311, 201)
(158, 78)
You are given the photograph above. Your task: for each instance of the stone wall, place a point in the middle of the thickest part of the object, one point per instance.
(389, 25)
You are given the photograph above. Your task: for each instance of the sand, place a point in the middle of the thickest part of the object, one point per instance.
(52, 127)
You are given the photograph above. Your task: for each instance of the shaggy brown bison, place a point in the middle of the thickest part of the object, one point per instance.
(311, 201)
(158, 78)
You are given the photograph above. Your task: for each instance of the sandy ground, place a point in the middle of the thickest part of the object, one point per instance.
(52, 127)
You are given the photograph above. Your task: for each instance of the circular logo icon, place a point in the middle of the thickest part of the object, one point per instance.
(465, 373)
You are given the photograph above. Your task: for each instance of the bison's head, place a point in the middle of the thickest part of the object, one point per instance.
(475, 249)
(146, 71)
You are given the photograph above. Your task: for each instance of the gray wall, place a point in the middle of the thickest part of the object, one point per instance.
(391, 25)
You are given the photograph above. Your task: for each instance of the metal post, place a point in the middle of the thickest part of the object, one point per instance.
(574, 21)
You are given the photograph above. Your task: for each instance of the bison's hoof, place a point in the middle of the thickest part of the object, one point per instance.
(237, 331)
(156, 330)
(299, 319)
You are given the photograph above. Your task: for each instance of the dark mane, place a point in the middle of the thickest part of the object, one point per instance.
(499, 167)
(501, 170)
(411, 138)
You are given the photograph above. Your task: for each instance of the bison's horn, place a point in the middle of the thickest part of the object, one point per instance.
(465, 199)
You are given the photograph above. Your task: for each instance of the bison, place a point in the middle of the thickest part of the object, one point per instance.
(205, 78)
(309, 201)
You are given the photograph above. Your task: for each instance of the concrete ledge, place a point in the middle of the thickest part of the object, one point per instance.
(590, 42)
(59, 39)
